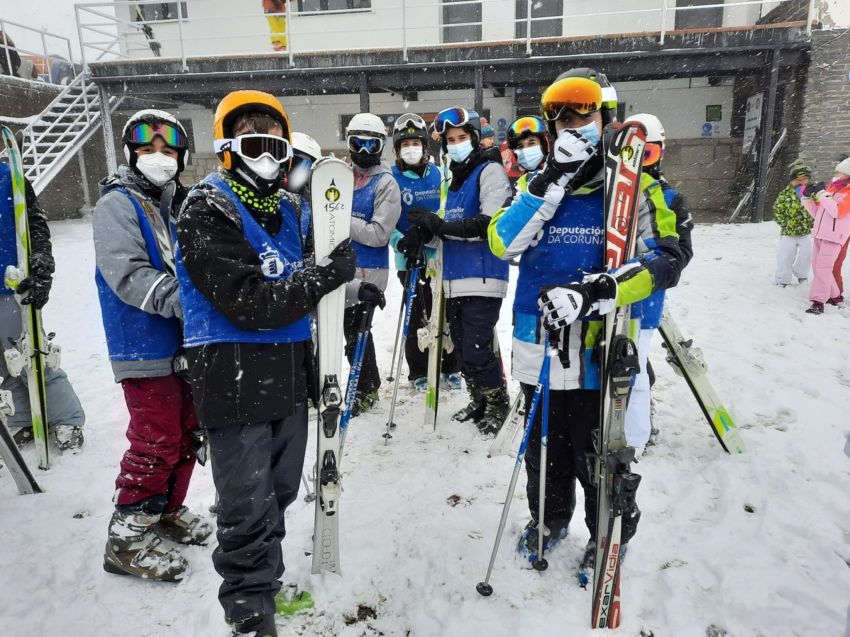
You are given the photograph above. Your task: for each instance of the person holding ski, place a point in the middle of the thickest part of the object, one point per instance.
(829, 206)
(137, 287)
(474, 280)
(65, 415)
(795, 225)
(247, 298)
(558, 226)
(375, 213)
(649, 311)
(420, 184)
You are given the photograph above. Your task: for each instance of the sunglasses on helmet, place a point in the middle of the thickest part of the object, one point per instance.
(144, 133)
(575, 94)
(254, 146)
(454, 117)
(365, 144)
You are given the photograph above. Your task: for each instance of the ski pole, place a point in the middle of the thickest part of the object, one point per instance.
(412, 277)
(484, 588)
(391, 378)
(310, 495)
(540, 564)
(354, 372)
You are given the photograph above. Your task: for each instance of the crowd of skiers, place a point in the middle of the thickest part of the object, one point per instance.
(814, 221)
(207, 292)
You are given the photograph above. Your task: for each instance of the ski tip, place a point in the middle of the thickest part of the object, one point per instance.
(484, 589)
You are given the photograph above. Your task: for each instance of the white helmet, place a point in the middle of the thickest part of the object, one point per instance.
(366, 124)
(654, 130)
(153, 116)
(306, 145)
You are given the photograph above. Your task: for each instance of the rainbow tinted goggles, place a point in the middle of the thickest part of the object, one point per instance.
(575, 94)
(453, 117)
(255, 145)
(144, 133)
(528, 125)
(652, 153)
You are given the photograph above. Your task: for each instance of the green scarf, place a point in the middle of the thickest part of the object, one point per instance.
(269, 204)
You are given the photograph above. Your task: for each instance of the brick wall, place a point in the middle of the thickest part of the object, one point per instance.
(200, 166)
(825, 121)
(704, 170)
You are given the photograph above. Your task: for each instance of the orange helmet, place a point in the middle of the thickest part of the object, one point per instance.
(239, 103)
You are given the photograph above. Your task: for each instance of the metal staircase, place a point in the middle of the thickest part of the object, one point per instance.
(55, 136)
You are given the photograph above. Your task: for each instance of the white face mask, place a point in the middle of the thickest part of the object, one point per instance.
(411, 155)
(297, 178)
(264, 167)
(159, 169)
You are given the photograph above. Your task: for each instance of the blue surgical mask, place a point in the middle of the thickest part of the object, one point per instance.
(529, 158)
(459, 152)
(590, 132)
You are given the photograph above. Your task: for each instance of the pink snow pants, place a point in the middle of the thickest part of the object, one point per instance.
(159, 460)
(824, 285)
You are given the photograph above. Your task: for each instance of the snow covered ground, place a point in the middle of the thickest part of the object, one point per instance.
(757, 544)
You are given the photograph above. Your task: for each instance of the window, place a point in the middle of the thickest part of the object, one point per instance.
(553, 9)
(698, 18)
(160, 11)
(309, 6)
(467, 17)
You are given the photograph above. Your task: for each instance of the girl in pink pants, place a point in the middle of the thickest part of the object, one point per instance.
(830, 208)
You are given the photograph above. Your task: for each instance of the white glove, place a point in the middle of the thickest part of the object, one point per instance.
(564, 305)
(569, 153)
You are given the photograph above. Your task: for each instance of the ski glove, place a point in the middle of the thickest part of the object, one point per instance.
(371, 294)
(564, 305)
(339, 266)
(35, 289)
(425, 219)
(412, 243)
(570, 152)
(810, 190)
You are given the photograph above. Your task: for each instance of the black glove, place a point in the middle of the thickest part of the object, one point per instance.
(371, 294)
(812, 189)
(426, 219)
(35, 289)
(411, 244)
(341, 268)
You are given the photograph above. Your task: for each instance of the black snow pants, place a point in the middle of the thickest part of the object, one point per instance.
(420, 310)
(471, 321)
(370, 377)
(257, 472)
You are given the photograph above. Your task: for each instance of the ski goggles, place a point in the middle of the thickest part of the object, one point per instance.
(144, 133)
(652, 153)
(365, 144)
(528, 125)
(255, 145)
(409, 120)
(454, 117)
(574, 94)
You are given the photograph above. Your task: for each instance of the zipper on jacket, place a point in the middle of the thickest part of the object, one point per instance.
(237, 357)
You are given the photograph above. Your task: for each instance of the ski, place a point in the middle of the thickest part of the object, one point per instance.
(332, 188)
(623, 145)
(436, 327)
(688, 362)
(503, 442)
(9, 452)
(30, 347)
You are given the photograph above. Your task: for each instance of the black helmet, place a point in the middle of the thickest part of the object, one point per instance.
(410, 126)
(526, 126)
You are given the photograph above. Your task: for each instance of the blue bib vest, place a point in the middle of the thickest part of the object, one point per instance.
(469, 259)
(417, 192)
(8, 243)
(306, 216)
(133, 334)
(280, 255)
(362, 207)
(651, 308)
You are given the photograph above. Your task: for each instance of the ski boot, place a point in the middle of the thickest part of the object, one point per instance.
(420, 384)
(587, 564)
(496, 407)
(475, 409)
(184, 527)
(451, 381)
(816, 308)
(290, 601)
(259, 626)
(134, 549)
(22, 436)
(553, 533)
(68, 438)
(837, 301)
(363, 401)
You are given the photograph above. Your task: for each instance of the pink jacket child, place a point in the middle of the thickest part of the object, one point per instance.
(830, 208)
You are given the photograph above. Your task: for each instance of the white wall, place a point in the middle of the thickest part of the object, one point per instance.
(838, 12)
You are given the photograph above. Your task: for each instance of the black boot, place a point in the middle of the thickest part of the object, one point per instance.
(475, 409)
(496, 407)
(261, 626)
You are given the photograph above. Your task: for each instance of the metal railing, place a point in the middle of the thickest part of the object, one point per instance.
(42, 34)
(208, 28)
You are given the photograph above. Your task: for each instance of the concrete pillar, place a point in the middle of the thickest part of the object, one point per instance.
(364, 93)
(479, 90)
(766, 133)
(106, 128)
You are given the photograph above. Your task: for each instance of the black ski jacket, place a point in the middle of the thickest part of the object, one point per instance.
(244, 383)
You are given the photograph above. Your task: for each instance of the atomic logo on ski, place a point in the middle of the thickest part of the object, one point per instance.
(332, 194)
